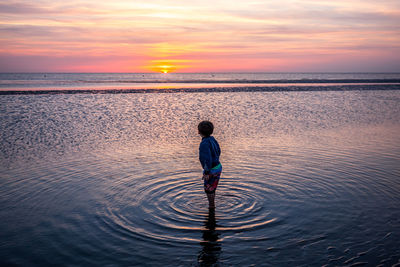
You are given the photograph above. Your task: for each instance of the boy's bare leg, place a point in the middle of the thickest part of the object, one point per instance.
(211, 200)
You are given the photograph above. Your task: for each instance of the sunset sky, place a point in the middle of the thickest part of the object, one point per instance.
(199, 36)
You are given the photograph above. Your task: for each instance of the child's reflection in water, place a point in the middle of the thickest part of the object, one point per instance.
(211, 248)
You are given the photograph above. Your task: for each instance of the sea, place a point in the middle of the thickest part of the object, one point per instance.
(14, 83)
(102, 169)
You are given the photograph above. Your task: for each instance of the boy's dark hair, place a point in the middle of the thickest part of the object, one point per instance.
(206, 128)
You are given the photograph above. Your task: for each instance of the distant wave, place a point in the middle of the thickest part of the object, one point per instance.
(255, 88)
(217, 81)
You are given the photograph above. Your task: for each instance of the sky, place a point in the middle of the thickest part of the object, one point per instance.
(200, 36)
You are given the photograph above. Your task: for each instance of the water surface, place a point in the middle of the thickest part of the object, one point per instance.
(110, 81)
(310, 178)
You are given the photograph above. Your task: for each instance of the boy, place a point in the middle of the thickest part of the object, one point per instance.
(209, 152)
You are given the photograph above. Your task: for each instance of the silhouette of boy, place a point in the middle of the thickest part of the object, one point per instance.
(209, 152)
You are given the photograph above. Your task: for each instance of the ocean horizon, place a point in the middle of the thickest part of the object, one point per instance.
(34, 83)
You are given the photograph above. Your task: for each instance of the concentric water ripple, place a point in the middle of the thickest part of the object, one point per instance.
(172, 207)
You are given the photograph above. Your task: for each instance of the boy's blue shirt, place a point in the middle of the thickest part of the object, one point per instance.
(209, 153)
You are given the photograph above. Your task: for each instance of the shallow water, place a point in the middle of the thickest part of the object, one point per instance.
(309, 178)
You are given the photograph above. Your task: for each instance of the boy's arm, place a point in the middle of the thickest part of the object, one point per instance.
(205, 157)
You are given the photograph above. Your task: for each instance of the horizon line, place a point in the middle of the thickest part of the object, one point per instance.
(216, 72)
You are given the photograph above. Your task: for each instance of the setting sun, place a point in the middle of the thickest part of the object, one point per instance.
(164, 68)
(168, 65)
